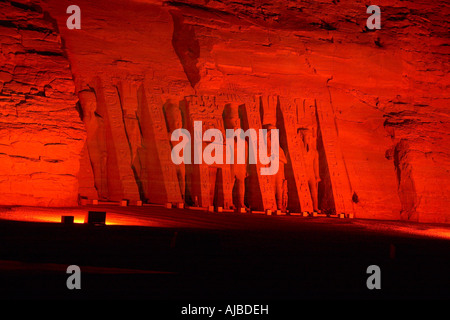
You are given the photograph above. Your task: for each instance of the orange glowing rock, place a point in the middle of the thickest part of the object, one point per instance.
(363, 115)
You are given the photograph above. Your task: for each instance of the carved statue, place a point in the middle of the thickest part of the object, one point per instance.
(174, 120)
(238, 171)
(309, 137)
(96, 141)
(279, 179)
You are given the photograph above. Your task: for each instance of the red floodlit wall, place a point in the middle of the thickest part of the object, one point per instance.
(362, 114)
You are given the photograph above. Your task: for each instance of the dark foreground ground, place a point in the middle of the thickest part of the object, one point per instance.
(218, 256)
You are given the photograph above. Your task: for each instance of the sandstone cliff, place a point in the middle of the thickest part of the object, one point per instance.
(86, 109)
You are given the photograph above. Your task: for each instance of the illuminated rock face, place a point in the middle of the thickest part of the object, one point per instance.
(41, 134)
(363, 115)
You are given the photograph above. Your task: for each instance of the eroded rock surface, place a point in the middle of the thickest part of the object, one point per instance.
(41, 134)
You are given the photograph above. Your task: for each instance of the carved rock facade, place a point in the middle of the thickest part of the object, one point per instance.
(363, 115)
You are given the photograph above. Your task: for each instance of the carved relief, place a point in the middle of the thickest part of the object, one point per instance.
(96, 141)
(174, 120)
(238, 172)
(293, 187)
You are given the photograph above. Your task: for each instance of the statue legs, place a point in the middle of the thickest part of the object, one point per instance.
(239, 184)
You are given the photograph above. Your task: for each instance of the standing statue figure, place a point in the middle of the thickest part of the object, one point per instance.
(279, 179)
(96, 141)
(174, 120)
(238, 171)
(309, 137)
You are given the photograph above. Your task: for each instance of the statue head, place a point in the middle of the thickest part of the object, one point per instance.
(173, 114)
(309, 137)
(231, 116)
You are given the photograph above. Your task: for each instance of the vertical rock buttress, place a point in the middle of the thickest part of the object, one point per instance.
(41, 133)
